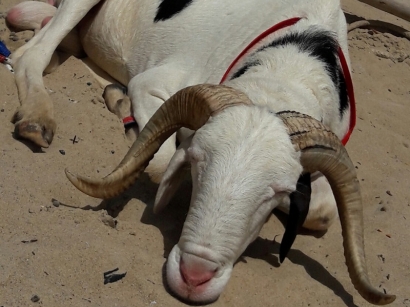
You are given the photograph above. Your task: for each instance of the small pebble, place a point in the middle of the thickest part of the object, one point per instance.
(109, 221)
(62, 151)
(2, 110)
(55, 202)
(35, 298)
(389, 193)
(29, 241)
(89, 83)
(113, 277)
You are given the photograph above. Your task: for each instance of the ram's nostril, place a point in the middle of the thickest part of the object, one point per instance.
(196, 271)
(195, 277)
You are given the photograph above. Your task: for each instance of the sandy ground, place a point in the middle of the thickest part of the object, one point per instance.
(72, 247)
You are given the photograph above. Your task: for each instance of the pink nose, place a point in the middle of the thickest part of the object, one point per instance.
(196, 271)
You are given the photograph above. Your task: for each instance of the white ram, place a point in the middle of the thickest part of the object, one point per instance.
(281, 109)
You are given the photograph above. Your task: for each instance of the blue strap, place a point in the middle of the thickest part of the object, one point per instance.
(3, 50)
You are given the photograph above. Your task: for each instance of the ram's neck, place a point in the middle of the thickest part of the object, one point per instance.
(299, 73)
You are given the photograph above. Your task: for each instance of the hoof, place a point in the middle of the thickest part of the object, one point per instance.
(39, 134)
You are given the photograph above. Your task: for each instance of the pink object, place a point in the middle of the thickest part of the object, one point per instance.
(196, 271)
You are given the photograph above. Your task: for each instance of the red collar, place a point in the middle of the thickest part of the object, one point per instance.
(343, 63)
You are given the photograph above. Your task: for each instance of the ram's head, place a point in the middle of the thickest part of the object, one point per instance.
(245, 160)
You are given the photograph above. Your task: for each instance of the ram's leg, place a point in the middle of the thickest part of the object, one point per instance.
(35, 120)
(380, 25)
(147, 92)
(119, 103)
(34, 15)
(29, 15)
(397, 8)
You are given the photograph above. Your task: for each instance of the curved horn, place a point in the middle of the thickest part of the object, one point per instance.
(322, 151)
(190, 107)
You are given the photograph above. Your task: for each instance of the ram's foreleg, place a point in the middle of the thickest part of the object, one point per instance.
(29, 15)
(35, 119)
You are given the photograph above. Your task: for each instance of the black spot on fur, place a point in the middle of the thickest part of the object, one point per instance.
(244, 69)
(320, 44)
(343, 96)
(169, 8)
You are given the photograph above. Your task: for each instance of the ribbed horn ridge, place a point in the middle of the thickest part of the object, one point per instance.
(190, 107)
(322, 151)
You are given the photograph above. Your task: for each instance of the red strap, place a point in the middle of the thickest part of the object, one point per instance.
(350, 93)
(278, 26)
(345, 68)
(128, 120)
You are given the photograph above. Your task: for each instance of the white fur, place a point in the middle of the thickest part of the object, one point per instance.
(239, 176)
(242, 161)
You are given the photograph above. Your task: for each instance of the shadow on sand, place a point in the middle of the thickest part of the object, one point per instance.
(176, 212)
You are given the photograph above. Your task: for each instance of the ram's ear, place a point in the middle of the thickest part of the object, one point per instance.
(177, 169)
(299, 208)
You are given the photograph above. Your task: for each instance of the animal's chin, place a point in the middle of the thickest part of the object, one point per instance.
(203, 294)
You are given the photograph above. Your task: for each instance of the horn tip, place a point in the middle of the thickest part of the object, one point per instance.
(93, 188)
(376, 297)
(388, 298)
(77, 181)
(71, 176)
(68, 174)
